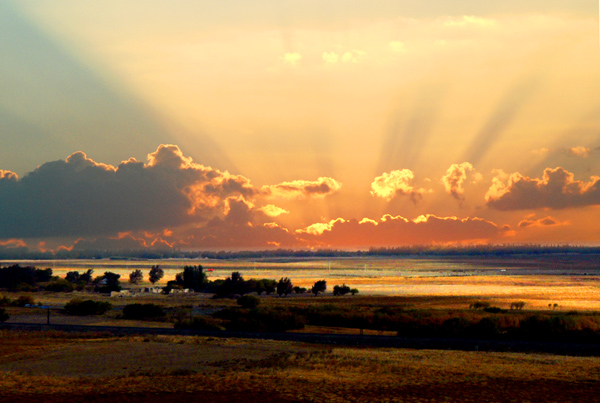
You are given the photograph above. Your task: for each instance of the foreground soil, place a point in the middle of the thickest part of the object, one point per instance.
(55, 367)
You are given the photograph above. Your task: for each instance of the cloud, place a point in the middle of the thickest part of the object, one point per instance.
(351, 56)
(557, 189)
(302, 189)
(579, 151)
(273, 211)
(292, 58)
(80, 197)
(397, 182)
(455, 177)
(8, 175)
(541, 222)
(470, 20)
(397, 230)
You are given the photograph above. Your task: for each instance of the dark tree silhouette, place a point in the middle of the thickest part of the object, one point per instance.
(284, 286)
(319, 286)
(136, 276)
(156, 273)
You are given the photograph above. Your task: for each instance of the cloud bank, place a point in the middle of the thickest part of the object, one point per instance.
(557, 189)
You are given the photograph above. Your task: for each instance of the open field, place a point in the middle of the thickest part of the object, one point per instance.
(572, 282)
(58, 367)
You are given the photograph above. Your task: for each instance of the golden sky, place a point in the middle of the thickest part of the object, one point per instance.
(298, 123)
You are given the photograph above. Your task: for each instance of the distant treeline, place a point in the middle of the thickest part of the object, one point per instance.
(404, 251)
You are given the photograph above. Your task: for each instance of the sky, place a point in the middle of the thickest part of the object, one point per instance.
(298, 124)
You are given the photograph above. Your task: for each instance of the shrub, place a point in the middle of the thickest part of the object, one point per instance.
(341, 289)
(299, 290)
(23, 300)
(59, 285)
(248, 301)
(480, 305)
(143, 311)
(493, 309)
(82, 307)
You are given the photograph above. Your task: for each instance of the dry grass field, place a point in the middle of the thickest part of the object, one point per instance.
(61, 368)
(56, 367)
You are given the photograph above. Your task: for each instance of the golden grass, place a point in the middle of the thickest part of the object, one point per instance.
(241, 370)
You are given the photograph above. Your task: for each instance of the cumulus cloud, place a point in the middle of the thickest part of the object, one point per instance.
(579, 151)
(397, 182)
(557, 189)
(351, 56)
(79, 197)
(302, 189)
(455, 177)
(397, 230)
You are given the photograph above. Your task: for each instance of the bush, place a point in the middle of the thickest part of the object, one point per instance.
(81, 307)
(23, 300)
(248, 301)
(143, 312)
(341, 289)
(493, 309)
(59, 285)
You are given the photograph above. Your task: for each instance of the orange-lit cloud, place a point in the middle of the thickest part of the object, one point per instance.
(273, 211)
(397, 182)
(557, 189)
(8, 175)
(541, 222)
(302, 189)
(455, 177)
(579, 151)
(397, 230)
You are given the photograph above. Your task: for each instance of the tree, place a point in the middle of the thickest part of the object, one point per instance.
(354, 291)
(319, 286)
(110, 282)
(156, 273)
(194, 277)
(341, 289)
(284, 286)
(86, 277)
(136, 276)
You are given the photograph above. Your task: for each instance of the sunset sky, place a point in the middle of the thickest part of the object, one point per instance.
(298, 123)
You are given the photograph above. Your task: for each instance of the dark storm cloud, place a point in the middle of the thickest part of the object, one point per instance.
(79, 197)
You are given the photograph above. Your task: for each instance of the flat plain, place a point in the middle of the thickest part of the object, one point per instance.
(63, 367)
